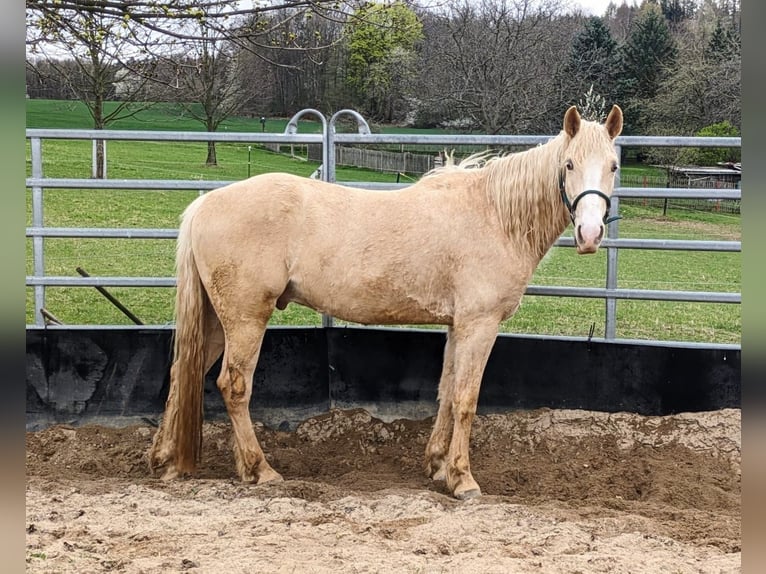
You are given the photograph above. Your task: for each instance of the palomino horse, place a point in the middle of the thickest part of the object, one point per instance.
(457, 248)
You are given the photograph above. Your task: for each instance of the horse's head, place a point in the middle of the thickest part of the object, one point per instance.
(588, 172)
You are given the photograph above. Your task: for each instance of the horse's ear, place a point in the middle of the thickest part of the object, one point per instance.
(613, 122)
(572, 121)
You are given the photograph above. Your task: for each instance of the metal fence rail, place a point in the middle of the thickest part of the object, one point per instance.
(38, 232)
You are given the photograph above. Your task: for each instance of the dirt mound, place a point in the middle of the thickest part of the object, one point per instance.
(639, 481)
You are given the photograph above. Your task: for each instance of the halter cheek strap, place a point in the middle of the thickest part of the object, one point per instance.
(571, 207)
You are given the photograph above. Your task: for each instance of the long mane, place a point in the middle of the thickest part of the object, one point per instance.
(522, 188)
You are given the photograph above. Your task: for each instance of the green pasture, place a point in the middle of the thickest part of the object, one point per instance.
(143, 257)
(172, 117)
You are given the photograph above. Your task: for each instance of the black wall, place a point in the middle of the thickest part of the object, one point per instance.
(118, 376)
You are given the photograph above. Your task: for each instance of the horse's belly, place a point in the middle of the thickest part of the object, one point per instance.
(395, 313)
(372, 303)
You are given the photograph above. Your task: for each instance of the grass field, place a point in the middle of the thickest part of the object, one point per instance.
(143, 257)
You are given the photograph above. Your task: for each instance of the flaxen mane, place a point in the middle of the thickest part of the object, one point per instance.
(523, 187)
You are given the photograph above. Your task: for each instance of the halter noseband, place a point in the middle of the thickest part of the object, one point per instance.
(571, 207)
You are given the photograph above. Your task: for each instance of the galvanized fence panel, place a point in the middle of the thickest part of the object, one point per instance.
(328, 139)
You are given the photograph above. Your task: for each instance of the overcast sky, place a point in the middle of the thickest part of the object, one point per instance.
(598, 7)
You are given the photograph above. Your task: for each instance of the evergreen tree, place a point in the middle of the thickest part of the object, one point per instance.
(724, 43)
(593, 61)
(676, 11)
(648, 56)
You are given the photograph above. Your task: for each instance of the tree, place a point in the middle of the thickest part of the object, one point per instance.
(290, 79)
(50, 79)
(593, 61)
(210, 85)
(168, 18)
(90, 55)
(496, 65)
(593, 106)
(620, 19)
(381, 49)
(647, 58)
(677, 11)
(120, 43)
(705, 87)
(724, 43)
(713, 156)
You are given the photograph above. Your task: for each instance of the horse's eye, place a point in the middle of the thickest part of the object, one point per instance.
(570, 165)
(614, 167)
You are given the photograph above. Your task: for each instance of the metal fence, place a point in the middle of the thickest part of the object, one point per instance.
(328, 139)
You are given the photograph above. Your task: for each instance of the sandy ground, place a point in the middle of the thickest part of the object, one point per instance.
(564, 491)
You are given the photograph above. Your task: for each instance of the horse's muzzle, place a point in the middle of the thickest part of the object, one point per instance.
(588, 238)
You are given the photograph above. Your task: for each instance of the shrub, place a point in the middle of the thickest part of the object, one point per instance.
(712, 155)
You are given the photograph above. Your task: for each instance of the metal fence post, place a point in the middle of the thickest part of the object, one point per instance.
(328, 173)
(292, 128)
(36, 150)
(613, 230)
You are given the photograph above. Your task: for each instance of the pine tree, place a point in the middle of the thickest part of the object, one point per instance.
(647, 56)
(724, 43)
(676, 11)
(593, 60)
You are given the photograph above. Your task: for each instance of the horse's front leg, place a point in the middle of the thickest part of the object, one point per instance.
(438, 444)
(473, 342)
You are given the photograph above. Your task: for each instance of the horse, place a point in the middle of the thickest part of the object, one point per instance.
(456, 248)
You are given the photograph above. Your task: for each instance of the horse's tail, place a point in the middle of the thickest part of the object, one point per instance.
(178, 440)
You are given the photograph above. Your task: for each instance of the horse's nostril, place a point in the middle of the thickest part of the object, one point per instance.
(579, 234)
(601, 234)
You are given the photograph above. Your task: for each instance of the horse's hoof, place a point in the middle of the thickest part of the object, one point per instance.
(269, 475)
(468, 494)
(440, 475)
(171, 473)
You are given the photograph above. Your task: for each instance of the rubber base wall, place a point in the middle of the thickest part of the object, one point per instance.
(118, 376)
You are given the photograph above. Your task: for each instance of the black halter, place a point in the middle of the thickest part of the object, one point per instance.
(571, 207)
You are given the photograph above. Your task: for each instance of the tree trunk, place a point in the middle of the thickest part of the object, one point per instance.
(211, 158)
(98, 123)
(210, 125)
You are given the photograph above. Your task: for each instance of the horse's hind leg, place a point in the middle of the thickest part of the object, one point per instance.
(438, 444)
(243, 344)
